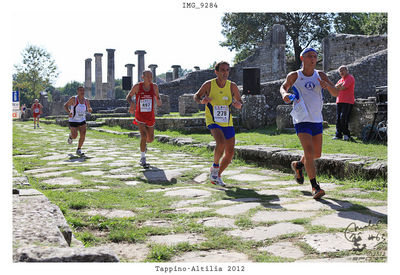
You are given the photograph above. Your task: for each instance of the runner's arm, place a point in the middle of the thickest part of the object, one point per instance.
(67, 104)
(289, 81)
(328, 85)
(157, 95)
(132, 92)
(90, 110)
(237, 100)
(203, 91)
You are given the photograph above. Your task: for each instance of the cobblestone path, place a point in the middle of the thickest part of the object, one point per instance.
(172, 213)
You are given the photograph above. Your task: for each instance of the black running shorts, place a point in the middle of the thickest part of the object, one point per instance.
(76, 124)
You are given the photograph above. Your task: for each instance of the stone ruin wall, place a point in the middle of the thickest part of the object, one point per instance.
(342, 49)
(270, 57)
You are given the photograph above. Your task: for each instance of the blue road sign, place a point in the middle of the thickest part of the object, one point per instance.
(15, 96)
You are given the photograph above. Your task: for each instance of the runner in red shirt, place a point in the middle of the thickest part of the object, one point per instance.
(36, 110)
(145, 92)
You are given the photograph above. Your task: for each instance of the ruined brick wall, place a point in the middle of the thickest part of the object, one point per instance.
(342, 49)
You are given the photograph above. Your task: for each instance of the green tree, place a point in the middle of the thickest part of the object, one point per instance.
(36, 73)
(70, 88)
(361, 23)
(244, 32)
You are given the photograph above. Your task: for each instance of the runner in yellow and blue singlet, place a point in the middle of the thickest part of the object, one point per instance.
(219, 94)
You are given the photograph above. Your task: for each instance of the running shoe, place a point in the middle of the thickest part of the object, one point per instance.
(346, 138)
(143, 162)
(219, 182)
(69, 140)
(214, 174)
(298, 172)
(38, 126)
(79, 152)
(317, 193)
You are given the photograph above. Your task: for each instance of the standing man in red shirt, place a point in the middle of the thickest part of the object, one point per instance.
(345, 102)
(36, 110)
(145, 92)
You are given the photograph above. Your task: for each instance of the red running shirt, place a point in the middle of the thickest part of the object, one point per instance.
(144, 112)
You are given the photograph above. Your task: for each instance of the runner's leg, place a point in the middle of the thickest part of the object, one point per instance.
(228, 154)
(219, 144)
(82, 135)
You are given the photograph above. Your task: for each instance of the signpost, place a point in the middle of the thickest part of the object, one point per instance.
(16, 113)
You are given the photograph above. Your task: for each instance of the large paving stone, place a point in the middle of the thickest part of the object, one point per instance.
(201, 178)
(53, 174)
(335, 242)
(263, 232)
(284, 249)
(111, 213)
(188, 193)
(55, 157)
(218, 222)
(186, 203)
(160, 176)
(268, 216)
(312, 204)
(212, 256)
(62, 181)
(129, 252)
(93, 173)
(237, 209)
(64, 254)
(189, 210)
(158, 223)
(250, 177)
(344, 218)
(177, 238)
(41, 170)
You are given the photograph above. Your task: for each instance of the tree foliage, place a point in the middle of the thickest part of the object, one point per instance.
(70, 89)
(361, 23)
(244, 32)
(36, 73)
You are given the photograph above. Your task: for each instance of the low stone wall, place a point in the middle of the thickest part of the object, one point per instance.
(41, 233)
(187, 105)
(253, 111)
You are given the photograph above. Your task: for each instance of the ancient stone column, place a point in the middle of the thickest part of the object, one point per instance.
(175, 71)
(129, 69)
(110, 73)
(98, 76)
(278, 44)
(168, 76)
(88, 78)
(153, 70)
(197, 68)
(140, 63)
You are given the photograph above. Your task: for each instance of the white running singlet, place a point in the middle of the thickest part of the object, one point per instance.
(310, 91)
(78, 110)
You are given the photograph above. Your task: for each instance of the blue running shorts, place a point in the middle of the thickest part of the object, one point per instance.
(229, 132)
(309, 127)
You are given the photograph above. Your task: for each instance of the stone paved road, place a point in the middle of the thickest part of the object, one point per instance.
(267, 213)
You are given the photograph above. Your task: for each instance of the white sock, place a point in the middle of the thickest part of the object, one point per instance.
(143, 154)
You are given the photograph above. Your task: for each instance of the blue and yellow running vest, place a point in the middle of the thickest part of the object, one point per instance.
(218, 110)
